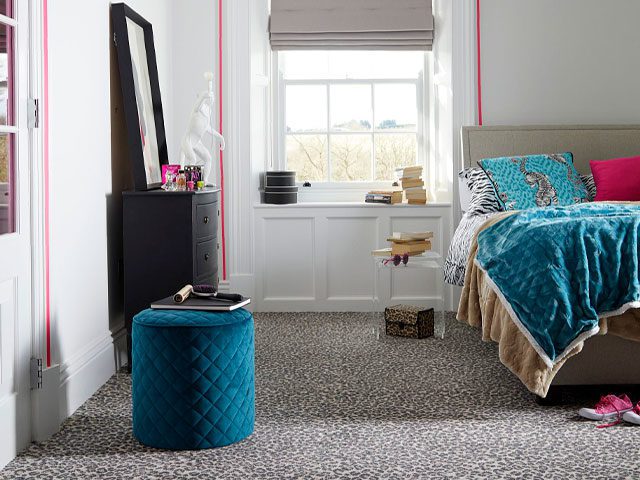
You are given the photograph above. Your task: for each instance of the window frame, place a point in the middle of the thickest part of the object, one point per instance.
(278, 160)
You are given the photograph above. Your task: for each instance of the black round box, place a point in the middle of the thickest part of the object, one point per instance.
(281, 198)
(280, 178)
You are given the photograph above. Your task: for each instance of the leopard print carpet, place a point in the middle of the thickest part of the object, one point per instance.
(332, 401)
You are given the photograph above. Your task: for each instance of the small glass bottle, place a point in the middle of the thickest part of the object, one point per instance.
(169, 184)
(181, 181)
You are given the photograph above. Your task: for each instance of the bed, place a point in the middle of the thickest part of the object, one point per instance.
(608, 358)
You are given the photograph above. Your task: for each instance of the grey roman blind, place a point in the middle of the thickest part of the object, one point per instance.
(351, 25)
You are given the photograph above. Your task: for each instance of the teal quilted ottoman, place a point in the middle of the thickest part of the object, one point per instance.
(192, 378)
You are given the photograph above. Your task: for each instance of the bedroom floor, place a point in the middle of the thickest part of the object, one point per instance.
(333, 402)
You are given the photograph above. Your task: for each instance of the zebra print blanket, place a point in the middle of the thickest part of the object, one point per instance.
(456, 263)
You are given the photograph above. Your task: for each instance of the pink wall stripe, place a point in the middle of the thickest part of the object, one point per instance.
(224, 244)
(45, 132)
(479, 67)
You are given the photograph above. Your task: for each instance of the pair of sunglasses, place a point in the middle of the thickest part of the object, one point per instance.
(396, 259)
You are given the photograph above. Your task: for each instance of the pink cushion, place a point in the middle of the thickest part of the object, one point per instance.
(617, 179)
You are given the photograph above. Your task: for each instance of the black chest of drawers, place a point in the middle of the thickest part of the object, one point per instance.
(170, 239)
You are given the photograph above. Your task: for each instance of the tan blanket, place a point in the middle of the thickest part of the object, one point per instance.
(480, 307)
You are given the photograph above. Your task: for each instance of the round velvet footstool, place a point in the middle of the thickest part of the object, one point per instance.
(192, 378)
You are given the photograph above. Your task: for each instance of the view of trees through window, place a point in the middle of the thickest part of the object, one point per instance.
(4, 95)
(348, 121)
(4, 160)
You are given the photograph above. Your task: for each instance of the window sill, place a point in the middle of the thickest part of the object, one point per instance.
(351, 205)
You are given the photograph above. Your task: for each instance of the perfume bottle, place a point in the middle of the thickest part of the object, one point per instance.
(169, 184)
(181, 181)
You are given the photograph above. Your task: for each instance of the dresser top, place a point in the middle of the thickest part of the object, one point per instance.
(160, 192)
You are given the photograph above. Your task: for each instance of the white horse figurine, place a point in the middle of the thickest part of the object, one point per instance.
(194, 151)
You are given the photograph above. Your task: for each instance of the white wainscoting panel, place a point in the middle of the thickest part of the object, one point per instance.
(317, 257)
(348, 256)
(288, 258)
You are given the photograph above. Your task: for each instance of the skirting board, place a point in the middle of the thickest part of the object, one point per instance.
(84, 374)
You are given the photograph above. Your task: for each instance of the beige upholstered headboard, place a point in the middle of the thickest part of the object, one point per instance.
(586, 142)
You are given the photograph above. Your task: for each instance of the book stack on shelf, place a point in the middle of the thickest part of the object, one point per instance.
(412, 184)
(389, 197)
(411, 243)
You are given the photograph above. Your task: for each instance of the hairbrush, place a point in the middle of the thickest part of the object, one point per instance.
(209, 291)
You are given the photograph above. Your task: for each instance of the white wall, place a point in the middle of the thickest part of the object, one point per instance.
(559, 62)
(194, 51)
(82, 180)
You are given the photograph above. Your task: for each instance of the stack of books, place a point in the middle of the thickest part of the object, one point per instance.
(412, 184)
(412, 243)
(384, 196)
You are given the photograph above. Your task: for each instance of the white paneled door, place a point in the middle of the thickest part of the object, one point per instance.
(15, 230)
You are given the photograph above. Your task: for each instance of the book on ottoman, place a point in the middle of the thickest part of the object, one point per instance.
(195, 303)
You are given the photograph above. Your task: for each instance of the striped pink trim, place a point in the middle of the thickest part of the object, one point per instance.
(224, 244)
(45, 132)
(479, 62)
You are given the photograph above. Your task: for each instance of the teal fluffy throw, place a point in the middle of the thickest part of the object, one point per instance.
(557, 270)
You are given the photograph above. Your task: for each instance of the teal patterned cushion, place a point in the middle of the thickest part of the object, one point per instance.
(192, 378)
(535, 181)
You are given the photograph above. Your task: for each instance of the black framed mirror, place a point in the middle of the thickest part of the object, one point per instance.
(133, 37)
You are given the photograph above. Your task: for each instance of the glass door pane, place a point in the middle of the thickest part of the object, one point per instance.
(6, 8)
(6, 75)
(7, 202)
(7, 121)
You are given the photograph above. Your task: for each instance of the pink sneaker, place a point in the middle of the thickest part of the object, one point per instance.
(633, 416)
(610, 407)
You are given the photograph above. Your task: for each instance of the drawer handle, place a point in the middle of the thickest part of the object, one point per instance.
(206, 257)
(206, 219)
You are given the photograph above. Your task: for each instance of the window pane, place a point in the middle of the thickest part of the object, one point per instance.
(394, 150)
(350, 158)
(6, 75)
(301, 65)
(307, 155)
(7, 188)
(396, 107)
(306, 108)
(351, 108)
(6, 7)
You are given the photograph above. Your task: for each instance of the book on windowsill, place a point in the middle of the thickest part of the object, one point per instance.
(418, 190)
(384, 199)
(381, 196)
(417, 202)
(409, 172)
(421, 198)
(408, 183)
(410, 247)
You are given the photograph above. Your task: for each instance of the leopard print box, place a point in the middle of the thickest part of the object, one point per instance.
(409, 321)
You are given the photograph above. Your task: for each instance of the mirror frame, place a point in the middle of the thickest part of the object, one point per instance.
(119, 14)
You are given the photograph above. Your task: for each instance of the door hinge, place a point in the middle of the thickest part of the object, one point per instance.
(36, 373)
(33, 113)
